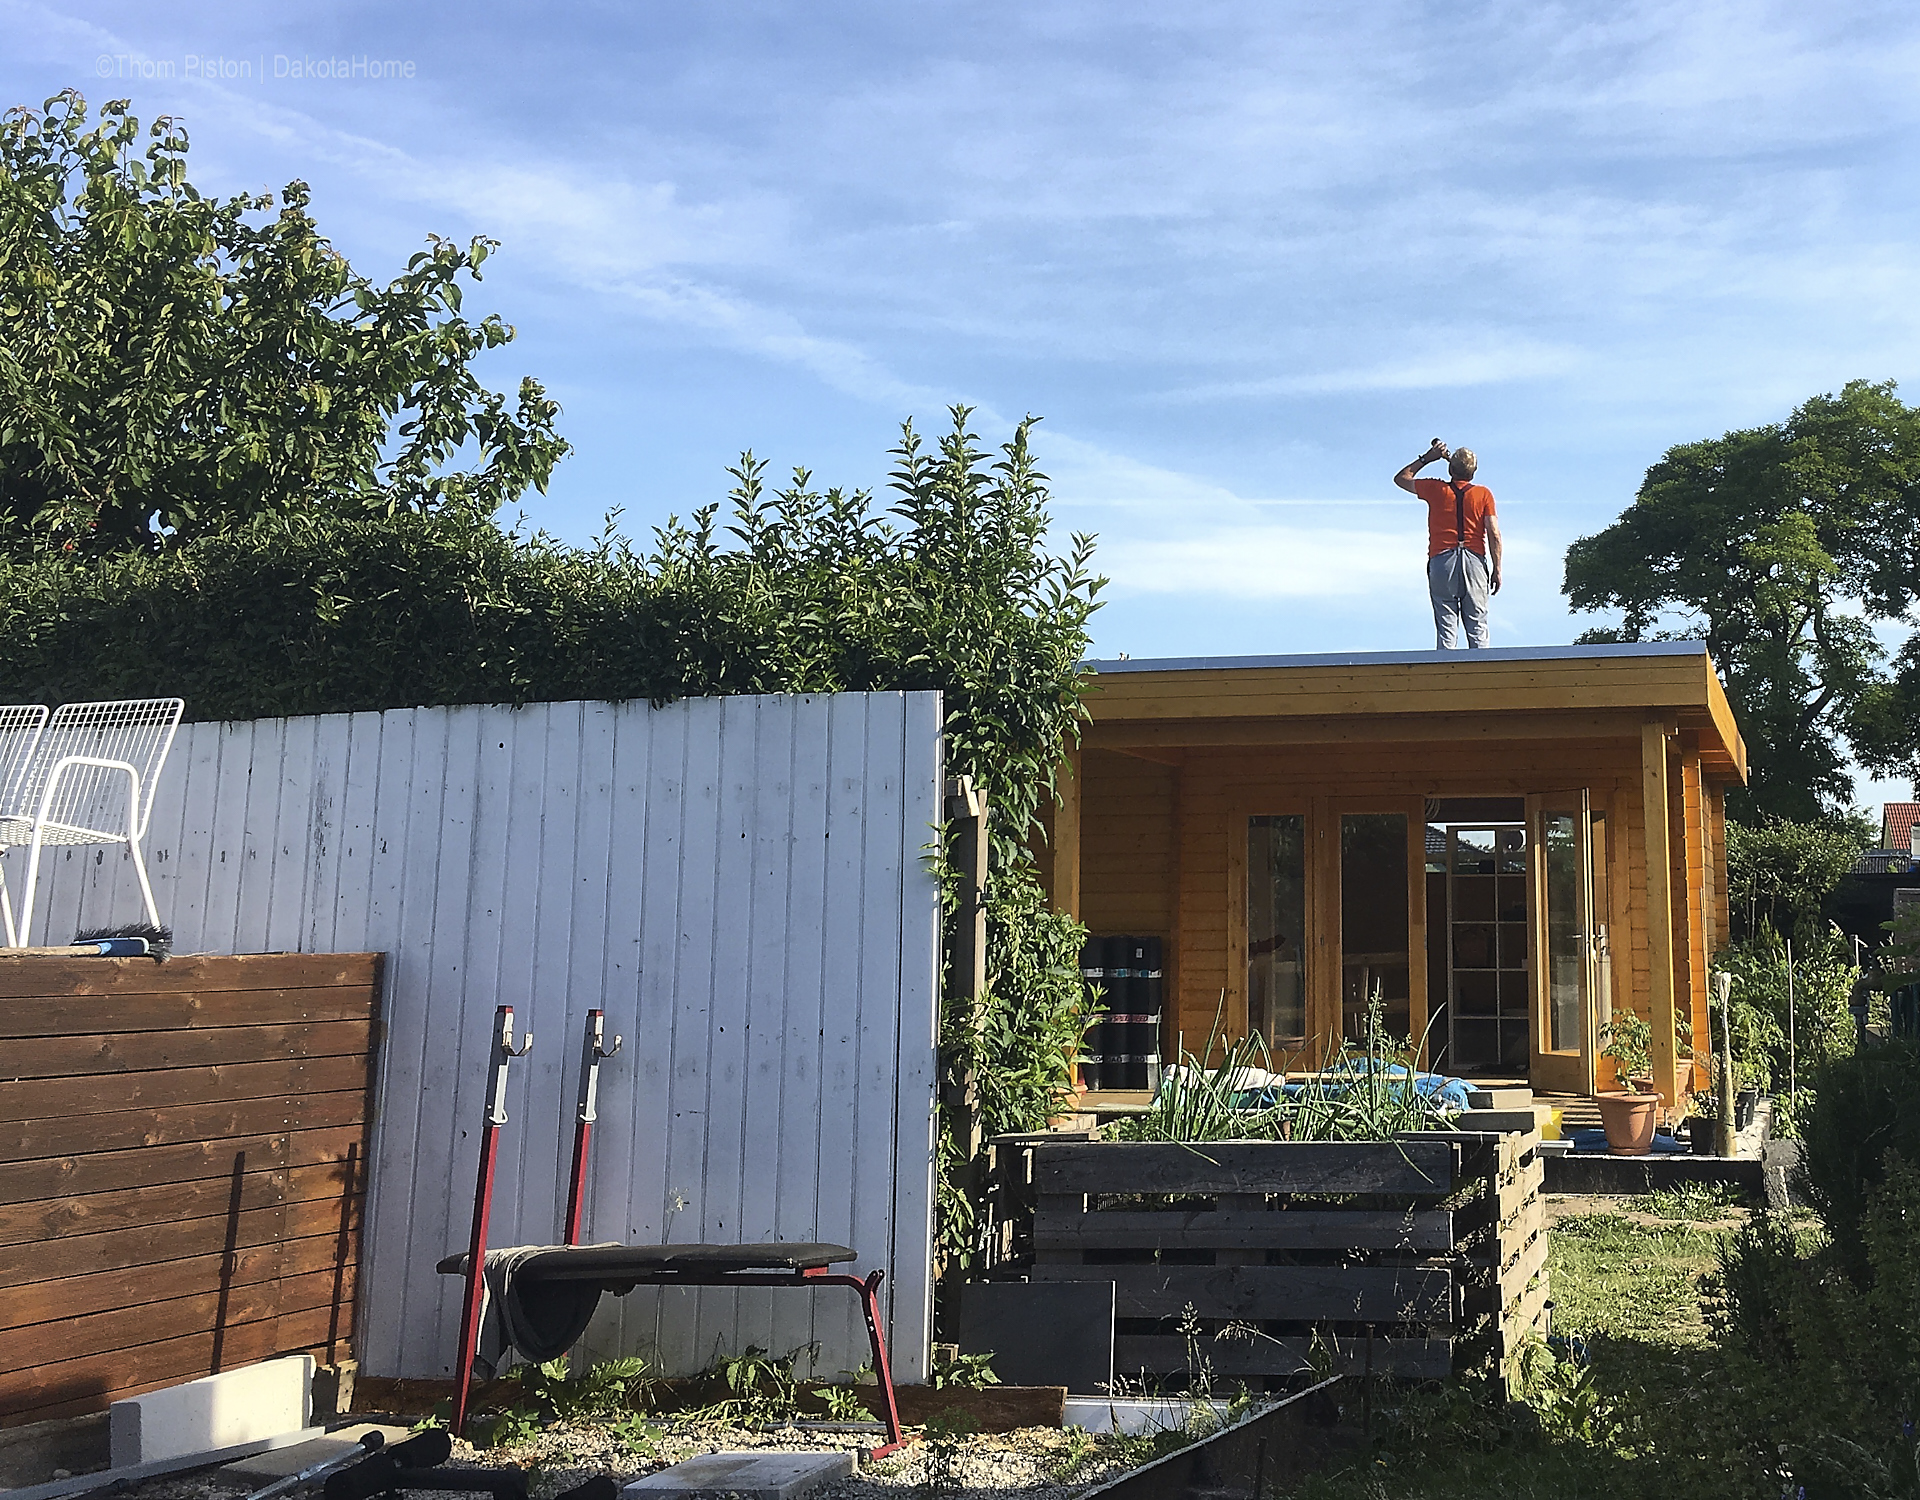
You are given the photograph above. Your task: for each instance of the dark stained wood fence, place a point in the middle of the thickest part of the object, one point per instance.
(1414, 1257)
(183, 1151)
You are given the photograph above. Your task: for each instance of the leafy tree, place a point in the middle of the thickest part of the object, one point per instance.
(1781, 872)
(172, 363)
(1780, 544)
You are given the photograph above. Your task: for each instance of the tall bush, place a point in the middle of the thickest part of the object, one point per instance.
(1825, 1365)
(1820, 991)
(1866, 1106)
(1780, 871)
(1822, 1334)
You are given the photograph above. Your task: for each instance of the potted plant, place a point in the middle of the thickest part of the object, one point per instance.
(1703, 1124)
(1752, 1076)
(1629, 1116)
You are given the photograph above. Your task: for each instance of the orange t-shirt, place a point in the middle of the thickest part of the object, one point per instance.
(1443, 511)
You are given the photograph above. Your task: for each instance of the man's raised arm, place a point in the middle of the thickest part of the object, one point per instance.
(1436, 450)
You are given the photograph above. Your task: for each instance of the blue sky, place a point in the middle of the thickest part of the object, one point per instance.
(1244, 259)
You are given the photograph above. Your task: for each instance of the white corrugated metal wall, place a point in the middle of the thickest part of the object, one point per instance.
(740, 882)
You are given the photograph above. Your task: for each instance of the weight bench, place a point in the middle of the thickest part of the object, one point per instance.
(557, 1287)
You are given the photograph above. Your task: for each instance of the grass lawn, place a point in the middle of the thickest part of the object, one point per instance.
(1626, 1416)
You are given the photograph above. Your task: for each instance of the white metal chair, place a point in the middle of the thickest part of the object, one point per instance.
(90, 780)
(20, 727)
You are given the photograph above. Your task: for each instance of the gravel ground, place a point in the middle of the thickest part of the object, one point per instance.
(1033, 1463)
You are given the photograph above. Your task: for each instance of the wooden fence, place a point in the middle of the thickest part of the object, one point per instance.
(741, 883)
(182, 1168)
(1414, 1258)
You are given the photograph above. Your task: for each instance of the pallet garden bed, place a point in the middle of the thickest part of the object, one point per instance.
(1416, 1257)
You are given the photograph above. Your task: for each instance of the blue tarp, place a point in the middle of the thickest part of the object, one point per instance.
(1596, 1140)
(1451, 1092)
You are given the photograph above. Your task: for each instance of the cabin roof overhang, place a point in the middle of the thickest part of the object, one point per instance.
(1160, 707)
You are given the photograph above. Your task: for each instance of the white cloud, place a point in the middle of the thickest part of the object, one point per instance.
(1465, 363)
(1266, 562)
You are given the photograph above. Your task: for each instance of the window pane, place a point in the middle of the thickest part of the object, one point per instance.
(1476, 1044)
(1277, 928)
(1373, 921)
(1566, 956)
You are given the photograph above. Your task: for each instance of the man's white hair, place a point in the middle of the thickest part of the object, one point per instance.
(1463, 461)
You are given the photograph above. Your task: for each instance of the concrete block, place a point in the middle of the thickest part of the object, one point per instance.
(1042, 1332)
(216, 1411)
(263, 1469)
(1517, 1097)
(751, 1476)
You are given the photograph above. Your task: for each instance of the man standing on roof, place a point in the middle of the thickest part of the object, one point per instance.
(1463, 544)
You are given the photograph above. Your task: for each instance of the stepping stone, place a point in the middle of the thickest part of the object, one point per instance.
(753, 1476)
(277, 1463)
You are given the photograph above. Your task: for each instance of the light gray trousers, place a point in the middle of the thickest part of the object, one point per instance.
(1461, 583)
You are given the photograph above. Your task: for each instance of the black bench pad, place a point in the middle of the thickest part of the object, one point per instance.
(613, 1264)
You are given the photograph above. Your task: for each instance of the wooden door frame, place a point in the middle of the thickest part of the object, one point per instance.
(1245, 801)
(1541, 1062)
(1327, 868)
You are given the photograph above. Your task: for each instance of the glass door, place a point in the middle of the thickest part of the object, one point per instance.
(1376, 957)
(1564, 939)
(1277, 930)
(1487, 954)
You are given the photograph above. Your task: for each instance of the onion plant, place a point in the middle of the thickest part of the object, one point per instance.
(1369, 1091)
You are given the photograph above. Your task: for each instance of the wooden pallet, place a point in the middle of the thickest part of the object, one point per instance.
(1412, 1258)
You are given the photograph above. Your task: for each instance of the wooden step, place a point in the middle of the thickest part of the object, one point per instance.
(1532, 1117)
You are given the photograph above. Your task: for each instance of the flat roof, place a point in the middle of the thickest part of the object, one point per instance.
(1599, 691)
(1400, 658)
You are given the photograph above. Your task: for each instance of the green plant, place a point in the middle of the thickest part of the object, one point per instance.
(842, 1402)
(1823, 1341)
(1823, 975)
(1359, 1093)
(946, 1434)
(503, 1429)
(558, 1395)
(1628, 1040)
(762, 1389)
(1569, 1400)
(1081, 1449)
(549, 1393)
(1695, 1200)
(640, 1435)
(965, 1372)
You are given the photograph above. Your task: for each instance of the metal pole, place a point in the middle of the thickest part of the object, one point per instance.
(503, 1052)
(1724, 1136)
(594, 1049)
(1793, 1062)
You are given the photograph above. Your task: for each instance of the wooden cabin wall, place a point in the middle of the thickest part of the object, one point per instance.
(1128, 877)
(1155, 846)
(1695, 900)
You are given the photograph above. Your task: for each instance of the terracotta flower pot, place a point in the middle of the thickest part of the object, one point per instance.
(1629, 1120)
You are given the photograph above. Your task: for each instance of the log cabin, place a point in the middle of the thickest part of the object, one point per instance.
(1504, 846)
